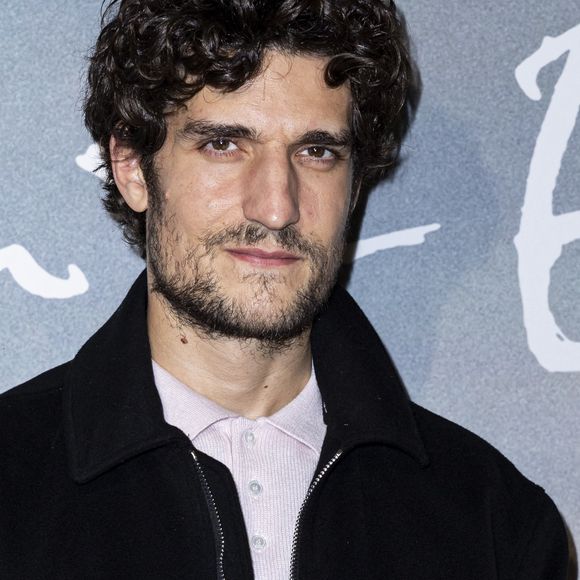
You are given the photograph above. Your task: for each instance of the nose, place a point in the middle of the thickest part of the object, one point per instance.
(271, 196)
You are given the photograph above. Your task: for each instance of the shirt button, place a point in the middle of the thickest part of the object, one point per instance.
(255, 487)
(249, 437)
(258, 543)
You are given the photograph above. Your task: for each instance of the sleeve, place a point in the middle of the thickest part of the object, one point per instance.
(545, 556)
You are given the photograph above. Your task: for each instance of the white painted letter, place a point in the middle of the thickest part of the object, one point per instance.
(542, 234)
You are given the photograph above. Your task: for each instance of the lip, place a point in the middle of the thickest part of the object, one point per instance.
(259, 257)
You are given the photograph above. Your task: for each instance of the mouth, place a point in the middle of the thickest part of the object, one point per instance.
(263, 258)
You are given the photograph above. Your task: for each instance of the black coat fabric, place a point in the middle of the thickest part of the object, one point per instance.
(94, 483)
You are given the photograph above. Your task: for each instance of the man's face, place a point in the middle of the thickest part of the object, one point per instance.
(249, 203)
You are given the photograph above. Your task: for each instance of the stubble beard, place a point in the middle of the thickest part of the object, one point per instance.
(197, 300)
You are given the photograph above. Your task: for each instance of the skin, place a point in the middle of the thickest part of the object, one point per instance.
(288, 165)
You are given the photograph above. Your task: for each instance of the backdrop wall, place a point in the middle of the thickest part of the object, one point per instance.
(469, 259)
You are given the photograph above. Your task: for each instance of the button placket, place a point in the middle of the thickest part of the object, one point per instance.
(253, 488)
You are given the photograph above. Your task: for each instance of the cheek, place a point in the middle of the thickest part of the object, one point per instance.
(324, 208)
(202, 203)
(220, 205)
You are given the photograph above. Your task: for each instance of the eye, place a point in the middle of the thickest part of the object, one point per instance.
(220, 145)
(318, 152)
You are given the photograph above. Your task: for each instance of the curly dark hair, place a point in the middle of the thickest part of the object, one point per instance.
(153, 55)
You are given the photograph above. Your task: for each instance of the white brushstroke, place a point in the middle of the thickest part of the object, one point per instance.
(28, 274)
(407, 237)
(90, 161)
(543, 234)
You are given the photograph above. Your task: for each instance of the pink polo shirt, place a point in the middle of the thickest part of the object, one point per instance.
(272, 461)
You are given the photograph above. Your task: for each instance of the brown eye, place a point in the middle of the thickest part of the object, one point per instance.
(220, 144)
(220, 147)
(316, 151)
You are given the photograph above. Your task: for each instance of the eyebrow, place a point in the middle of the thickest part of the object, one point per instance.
(194, 129)
(318, 137)
(209, 129)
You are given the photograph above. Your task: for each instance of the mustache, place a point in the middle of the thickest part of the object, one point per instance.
(288, 239)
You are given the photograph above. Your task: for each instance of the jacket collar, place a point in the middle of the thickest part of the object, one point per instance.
(364, 398)
(112, 410)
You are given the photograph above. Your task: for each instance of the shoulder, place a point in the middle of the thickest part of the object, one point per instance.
(474, 468)
(519, 511)
(39, 387)
(530, 534)
(450, 446)
(33, 404)
(32, 446)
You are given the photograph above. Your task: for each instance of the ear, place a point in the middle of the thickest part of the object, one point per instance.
(128, 175)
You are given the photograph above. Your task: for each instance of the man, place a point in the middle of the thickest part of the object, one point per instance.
(237, 417)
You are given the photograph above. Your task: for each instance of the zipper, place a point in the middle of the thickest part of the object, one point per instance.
(313, 486)
(216, 523)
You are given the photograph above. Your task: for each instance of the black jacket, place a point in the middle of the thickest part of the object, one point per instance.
(94, 483)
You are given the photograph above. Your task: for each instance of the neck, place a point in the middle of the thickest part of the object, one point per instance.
(239, 375)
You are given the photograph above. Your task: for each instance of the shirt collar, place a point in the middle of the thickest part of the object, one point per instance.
(184, 407)
(193, 413)
(302, 418)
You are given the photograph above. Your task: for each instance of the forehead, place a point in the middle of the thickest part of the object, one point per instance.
(289, 95)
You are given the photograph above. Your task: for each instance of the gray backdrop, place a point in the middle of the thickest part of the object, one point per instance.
(469, 264)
